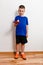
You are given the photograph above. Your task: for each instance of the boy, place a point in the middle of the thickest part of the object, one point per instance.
(21, 23)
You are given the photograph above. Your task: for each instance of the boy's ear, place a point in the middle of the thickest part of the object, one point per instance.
(24, 10)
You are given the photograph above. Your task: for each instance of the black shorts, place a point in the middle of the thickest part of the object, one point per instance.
(21, 39)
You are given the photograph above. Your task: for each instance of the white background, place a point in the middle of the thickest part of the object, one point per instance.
(34, 11)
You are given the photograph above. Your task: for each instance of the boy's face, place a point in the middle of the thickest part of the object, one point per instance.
(21, 11)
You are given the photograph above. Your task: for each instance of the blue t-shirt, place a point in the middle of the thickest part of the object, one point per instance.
(21, 27)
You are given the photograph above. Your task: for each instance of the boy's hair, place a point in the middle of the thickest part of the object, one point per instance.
(22, 6)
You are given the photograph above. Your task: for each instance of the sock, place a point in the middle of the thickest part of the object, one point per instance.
(17, 52)
(22, 52)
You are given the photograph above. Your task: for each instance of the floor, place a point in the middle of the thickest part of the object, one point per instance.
(32, 59)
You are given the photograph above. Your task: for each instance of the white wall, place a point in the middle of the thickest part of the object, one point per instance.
(37, 25)
(34, 11)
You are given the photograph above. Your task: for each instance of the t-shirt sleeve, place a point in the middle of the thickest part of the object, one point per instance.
(27, 23)
(15, 19)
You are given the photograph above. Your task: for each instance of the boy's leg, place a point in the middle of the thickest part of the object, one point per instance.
(17, 51)
(17, 48)
(22, 48)
(22, 51)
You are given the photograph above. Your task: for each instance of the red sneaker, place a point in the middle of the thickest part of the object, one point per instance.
(23, 56)
(16, 56)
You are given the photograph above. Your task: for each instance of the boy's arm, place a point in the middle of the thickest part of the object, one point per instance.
(14, 24)
(16, 21)
(26, 30)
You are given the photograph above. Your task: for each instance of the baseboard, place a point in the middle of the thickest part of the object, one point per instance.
(12, 53)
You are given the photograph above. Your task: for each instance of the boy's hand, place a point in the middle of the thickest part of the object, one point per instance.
(16, 23)
(26, 35)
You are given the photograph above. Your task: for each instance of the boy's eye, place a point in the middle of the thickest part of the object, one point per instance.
(21, 11)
